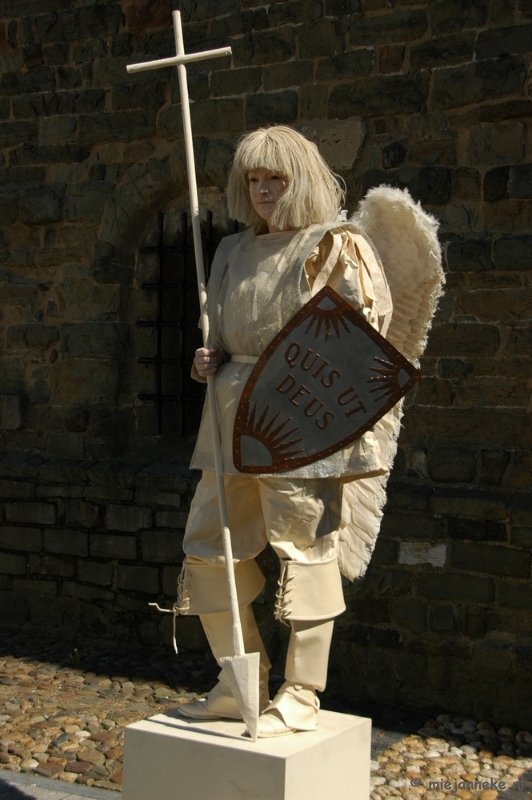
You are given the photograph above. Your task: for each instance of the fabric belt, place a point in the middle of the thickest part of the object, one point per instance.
(245, 359)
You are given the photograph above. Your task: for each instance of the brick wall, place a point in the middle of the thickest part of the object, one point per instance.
(85, 546)
(431, 95)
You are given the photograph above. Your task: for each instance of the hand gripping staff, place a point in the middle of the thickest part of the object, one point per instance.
(241, 669)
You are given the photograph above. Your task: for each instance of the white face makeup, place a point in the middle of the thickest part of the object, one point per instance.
(265, 188)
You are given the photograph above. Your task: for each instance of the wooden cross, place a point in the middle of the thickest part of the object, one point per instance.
(180, 60)
(241, 669)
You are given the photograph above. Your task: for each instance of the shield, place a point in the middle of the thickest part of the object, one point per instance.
(324, 380)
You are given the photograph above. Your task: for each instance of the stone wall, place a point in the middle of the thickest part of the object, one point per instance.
(429, 95)
(86, 545)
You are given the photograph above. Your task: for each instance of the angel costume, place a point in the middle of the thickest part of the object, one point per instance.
(324, 516)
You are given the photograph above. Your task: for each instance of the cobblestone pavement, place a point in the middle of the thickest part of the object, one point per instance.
(63, 709)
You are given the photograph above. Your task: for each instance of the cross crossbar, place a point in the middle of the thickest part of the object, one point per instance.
(175, 61)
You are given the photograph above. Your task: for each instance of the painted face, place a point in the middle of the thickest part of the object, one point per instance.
(265, 188)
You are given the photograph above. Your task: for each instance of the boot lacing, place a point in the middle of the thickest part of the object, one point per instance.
(181, 605)
(283, 599)
(183, 593)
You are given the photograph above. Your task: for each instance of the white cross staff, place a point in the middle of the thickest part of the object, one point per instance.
(241, 670)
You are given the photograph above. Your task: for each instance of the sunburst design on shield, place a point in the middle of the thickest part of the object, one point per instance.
(327, 318)
(273, 436)
(388, 378)
(324, 380)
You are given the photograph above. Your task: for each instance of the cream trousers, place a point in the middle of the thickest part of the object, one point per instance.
(299, 518)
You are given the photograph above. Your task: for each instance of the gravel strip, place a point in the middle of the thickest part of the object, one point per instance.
(18, 785)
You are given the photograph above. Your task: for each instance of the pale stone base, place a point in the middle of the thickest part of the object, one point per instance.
(168, 758)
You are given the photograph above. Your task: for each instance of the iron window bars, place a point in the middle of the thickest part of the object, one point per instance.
(174, 354)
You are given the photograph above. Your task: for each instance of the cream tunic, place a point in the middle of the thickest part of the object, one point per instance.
(254, 277)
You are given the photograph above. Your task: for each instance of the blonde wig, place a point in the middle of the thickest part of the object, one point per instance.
(313, 194)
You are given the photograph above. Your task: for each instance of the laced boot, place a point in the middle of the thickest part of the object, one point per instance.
(220, 702)
(295, 706)
(309, 597)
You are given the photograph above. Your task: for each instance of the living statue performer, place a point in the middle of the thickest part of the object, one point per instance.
(321, 519)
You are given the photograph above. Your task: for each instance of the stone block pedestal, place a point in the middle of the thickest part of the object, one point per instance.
(169, 758)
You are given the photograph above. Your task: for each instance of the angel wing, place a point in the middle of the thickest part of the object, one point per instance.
(405, 238)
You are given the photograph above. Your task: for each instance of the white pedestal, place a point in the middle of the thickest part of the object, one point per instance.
(169, 758)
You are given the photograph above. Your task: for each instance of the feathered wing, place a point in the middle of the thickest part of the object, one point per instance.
(406, 241)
